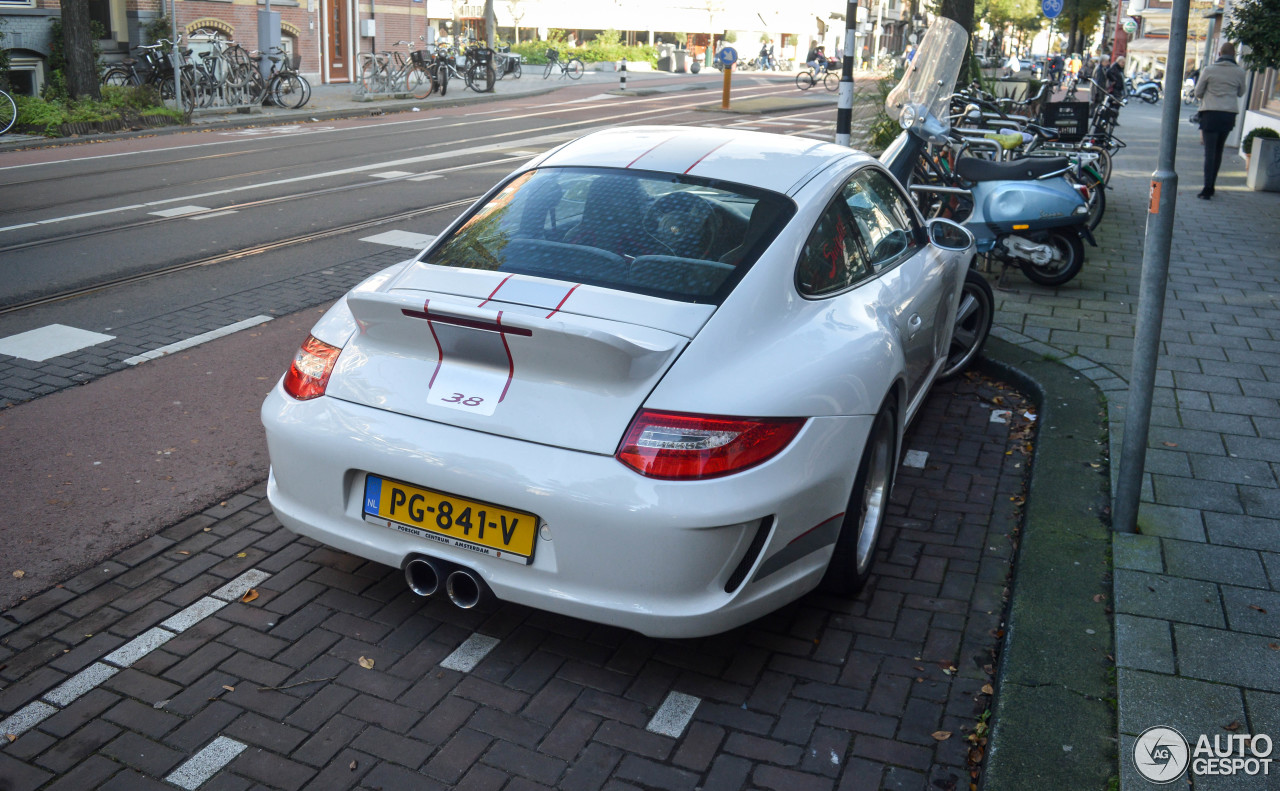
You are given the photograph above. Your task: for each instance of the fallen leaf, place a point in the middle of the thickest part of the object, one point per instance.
(1233, 727)
(1099, 597)
(941, 736)
(987, 689)
(249, 596)
(1274, 646)
(242, 554)
(354, 765)
(1170, 444)
(11, 737)
(367, 664)
(183, 552)
(228, 689)
(1259, 609)
(19, 573)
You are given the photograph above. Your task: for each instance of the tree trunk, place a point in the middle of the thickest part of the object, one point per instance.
(77, 38)
(490, 24)
(962, 12)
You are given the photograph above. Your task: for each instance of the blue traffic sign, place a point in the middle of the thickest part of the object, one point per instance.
(727, 56)
(1051, 8)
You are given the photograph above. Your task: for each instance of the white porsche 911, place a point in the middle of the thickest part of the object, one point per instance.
(656, 378)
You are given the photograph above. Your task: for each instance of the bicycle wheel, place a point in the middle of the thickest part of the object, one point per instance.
(418, 82)
(444, 81)
(517, 71)
(8, 112)
(290, 91)
(547, 71)
(804, 80)
(117, 75)
(574, 69)
(831, 81)
(369, 76)
(1104, 161)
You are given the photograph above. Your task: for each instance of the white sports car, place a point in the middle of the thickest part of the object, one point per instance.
(656, 378)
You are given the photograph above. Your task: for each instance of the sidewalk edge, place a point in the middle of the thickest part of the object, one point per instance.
(1054, 721)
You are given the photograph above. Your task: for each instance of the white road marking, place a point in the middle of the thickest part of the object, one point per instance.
(916, 459)
(48, 342)
(392, 174)
(80, 683)
(673, 715)
(277, 131)
(193, 614)
(196, 340)
(138, 647)
(206, 763)
(240, 585)
(427, 177)
(416, 241)
(466, 656)
(178, 211)
(211, 215)
(24, 719)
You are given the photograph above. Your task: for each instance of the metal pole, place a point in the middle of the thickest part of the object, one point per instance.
(1155, 276)
(844, 107)
(176, 56)
(623, 79)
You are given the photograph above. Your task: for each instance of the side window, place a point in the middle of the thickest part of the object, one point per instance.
(883, 217)
(834, 256)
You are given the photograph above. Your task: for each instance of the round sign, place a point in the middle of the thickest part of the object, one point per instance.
(727, 56)
(1130, 25)
(1051, 8)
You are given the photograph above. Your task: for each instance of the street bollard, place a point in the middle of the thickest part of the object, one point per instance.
(623, 71)
(724, 96)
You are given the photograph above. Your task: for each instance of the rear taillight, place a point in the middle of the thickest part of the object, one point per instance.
(309, 374)
(687, 447)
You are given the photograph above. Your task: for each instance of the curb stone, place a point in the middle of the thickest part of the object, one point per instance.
(1055, 685)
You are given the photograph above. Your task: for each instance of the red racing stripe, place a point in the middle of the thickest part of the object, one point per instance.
(511, 363)
(704, 156)
(566, 299)
(495, 291)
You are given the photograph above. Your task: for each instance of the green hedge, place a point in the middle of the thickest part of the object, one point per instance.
(535, 52)
(45, 116)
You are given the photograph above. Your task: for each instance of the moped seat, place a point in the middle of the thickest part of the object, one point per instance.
(1029, 169)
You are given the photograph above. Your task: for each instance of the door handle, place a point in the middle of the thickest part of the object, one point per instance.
(914, 324)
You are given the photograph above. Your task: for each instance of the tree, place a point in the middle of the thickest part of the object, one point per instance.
(78, 47)
(962, 12)
(1256, 24)
(490, 24)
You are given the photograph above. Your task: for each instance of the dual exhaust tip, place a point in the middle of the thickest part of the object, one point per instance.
(427, 576)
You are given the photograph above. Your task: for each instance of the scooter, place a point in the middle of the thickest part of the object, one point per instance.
(1024, 212)
(1145, 89)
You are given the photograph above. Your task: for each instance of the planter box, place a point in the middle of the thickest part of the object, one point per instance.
(1264, 165)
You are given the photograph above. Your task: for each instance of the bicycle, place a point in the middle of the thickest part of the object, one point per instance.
(808, 77)
(283, 85)
(151, 68)
(480, 74)
(379, 75)
(8, 112)
(571, 68)
(507, 62)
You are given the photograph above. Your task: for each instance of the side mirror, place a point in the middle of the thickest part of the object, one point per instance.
(949, 235)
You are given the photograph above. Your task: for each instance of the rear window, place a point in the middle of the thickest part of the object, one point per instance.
(653, 233)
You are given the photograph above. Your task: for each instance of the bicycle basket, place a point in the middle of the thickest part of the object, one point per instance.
(295, 62)
(553, 54)
(419, 57)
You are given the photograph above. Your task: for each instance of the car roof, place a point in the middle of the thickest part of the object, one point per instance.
(781, 163)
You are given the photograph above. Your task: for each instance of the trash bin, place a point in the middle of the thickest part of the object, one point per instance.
(682, 60)
(666, 61)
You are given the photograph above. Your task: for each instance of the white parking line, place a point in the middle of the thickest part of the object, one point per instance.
(416, 241)
(240, 585)
(206, 763)
(80, 683)
(138, 647)
(24, 719)
(673, 716)
(196, 340)
(50, 341)
(178, 211)
(391, 174)
(466, 656)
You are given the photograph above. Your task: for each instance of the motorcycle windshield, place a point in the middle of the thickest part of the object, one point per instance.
(930, 78)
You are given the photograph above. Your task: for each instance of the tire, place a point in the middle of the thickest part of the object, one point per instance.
(369, 76)
(1069, 259)
(490, 77)
(1104, 162)
(973, 324)
(547, 71)
(1097, 203)
(444, 81)
(831, 81)
(290, 91)
(575, 69)
(118, 76)
(418, 83)
(855, 547)
(804, 80)
(8, 112)
(515, 73)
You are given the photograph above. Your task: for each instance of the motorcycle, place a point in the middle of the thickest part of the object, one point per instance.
(1145, 89)
(1022, 212)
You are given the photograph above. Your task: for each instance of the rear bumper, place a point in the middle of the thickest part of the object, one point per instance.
(614, 547)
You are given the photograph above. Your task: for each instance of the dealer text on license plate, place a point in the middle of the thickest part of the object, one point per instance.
(456, 521)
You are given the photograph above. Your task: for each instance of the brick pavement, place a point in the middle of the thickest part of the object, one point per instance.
(1197, 591)
(824, 694)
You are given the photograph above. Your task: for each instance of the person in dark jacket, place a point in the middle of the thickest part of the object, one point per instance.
(1219, 90)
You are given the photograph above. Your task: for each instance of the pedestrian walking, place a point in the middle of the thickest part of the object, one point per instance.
(1219, 89)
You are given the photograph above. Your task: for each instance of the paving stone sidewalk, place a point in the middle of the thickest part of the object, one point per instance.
(226, 653)
(1197, 591)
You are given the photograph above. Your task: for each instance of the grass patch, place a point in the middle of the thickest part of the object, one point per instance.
(124, 104)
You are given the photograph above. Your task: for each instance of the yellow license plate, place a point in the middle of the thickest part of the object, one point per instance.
(457, 521)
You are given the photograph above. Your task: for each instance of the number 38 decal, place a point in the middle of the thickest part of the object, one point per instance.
(464, 400)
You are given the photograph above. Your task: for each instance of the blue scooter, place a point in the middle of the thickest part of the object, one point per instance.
(1024, 212)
